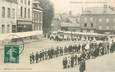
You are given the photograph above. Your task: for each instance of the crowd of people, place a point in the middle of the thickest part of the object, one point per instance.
(86, 52)
(81, 50)
(46, 55)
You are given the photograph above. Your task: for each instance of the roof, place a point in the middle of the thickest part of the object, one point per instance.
(12, 1)
(70, 25)
(99, 10)
(69, 21)
(36, 5)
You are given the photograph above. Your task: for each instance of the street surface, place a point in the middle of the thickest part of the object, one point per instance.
(101, 64)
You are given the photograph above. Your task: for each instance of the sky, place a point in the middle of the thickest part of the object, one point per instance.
(76, 6)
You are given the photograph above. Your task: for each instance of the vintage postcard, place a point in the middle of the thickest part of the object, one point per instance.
(57, 35)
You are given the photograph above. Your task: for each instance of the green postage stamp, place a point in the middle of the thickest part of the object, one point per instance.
(11, 54)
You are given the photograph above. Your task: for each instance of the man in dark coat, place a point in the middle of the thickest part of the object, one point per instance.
(36, 57)
(76, 59)
(112, 49)
(32, 57)
(82, 65)
(40, 56)
(72, 61)
(65, 62)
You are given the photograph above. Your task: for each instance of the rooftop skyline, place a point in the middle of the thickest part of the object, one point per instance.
(76, 6)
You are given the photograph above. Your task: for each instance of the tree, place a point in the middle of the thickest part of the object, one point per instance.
(48, 13)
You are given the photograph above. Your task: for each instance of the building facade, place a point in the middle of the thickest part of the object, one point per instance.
(56, 23)
(70, 23)
(8, 16)
(100, 20)
(24, 15)
(37, 15)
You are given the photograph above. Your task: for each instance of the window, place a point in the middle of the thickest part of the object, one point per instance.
(37, 18)
(8, 28)
(13, 28)
(114, 19)
(3, 28)
(85, 19)
(25, 13)
(21, 1)
(107, 27)
(13, 13)
(9, 12)
(100, 20)
(107, 20)
(28, 13)
(114, 27)
(100, 27)
(40, 17)
(91, 24)
(85, 25)
(3, 12)
(21, 12)
(91, 19)
(28, 2)
(25, 1)
(40, 26)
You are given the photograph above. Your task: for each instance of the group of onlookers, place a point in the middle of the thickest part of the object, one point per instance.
(83, 53)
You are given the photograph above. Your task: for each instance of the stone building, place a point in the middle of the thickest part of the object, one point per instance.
(56, 23)
(8, 16)
(37, 15)
(70, 22)
(24, 15)
(98, 19)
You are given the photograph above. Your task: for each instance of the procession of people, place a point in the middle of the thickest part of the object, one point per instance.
(75, 54)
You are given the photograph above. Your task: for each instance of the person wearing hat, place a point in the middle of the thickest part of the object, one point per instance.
(40, 55)
(82, 65)
(36, 57)
(112, 48)
(65, 62)
(32, 58)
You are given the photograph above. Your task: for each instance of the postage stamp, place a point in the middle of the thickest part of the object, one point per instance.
(11, 54)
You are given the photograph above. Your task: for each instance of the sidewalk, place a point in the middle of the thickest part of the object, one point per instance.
(104, 63)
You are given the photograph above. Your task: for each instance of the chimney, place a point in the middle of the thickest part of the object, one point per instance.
(105, 8)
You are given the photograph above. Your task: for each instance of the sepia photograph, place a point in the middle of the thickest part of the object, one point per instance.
(57, 35)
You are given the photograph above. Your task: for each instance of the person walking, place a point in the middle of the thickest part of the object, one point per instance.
(82, 65)
(65, 62)
(72, 61)
(36, 57)
(30, 58)
(33, 57)
(112, 49)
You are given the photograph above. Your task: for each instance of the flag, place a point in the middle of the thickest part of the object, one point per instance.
(87, 46)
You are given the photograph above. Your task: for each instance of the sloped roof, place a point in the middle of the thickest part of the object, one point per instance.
(64, 24)
(98, 10)
(37, 7)
(12, 1)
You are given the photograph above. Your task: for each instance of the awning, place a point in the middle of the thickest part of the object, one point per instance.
(19, 35)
